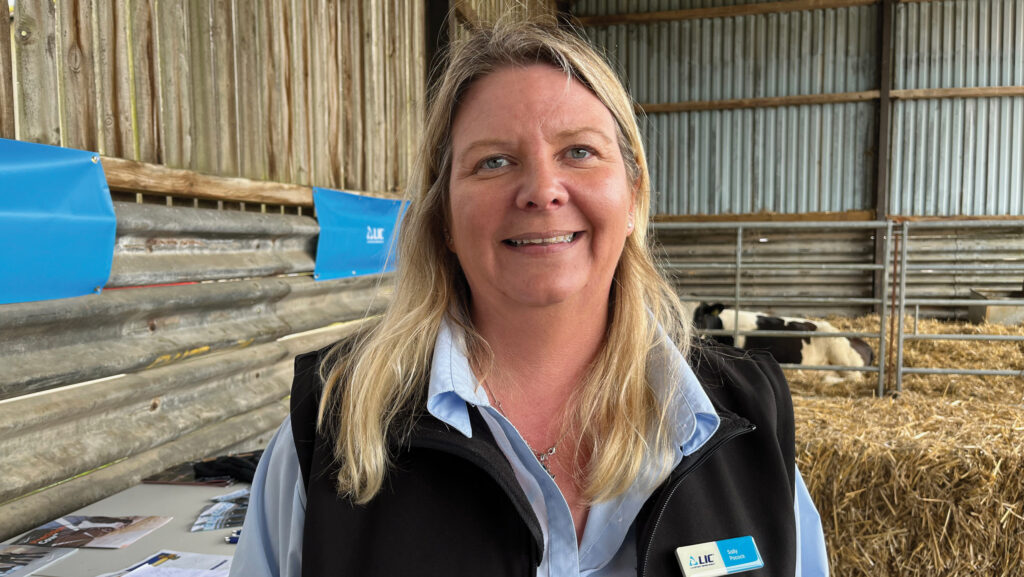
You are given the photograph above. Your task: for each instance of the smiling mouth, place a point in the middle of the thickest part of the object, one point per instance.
(561, 239)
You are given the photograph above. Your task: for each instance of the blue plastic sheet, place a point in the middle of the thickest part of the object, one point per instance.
(357, 234)
(57, 223)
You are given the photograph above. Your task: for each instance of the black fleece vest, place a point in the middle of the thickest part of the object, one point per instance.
(451, 506)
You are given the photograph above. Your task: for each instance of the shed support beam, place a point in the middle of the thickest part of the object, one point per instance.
(882, 153)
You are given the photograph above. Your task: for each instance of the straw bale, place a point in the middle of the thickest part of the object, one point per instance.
(916, 485)
(931, 482)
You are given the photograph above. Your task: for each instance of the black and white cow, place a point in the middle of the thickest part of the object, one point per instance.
(820, 351)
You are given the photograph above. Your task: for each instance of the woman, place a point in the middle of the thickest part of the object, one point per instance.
(525, 406)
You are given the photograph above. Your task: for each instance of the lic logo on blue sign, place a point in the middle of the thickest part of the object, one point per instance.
(374, 235)
(701, 560)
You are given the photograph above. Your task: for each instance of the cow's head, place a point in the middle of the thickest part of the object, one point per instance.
(706, 316)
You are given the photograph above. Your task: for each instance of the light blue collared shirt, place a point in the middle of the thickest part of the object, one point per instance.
(271, 544)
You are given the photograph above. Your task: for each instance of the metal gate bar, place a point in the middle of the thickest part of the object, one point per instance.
(737, 298)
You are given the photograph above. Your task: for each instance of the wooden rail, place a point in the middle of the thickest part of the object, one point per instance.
(831, 98)
(133, 176)
(965, 92)
(719, 12)
(772, 102)
(728, 11)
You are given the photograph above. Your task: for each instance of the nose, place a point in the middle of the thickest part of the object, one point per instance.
(542, 187)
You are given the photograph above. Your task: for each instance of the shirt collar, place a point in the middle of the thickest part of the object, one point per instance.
(695, 417)
(453, 387)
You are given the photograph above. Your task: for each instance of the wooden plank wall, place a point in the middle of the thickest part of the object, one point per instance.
(312, 92)
(35, 57)
(6, 80)
(472, 12)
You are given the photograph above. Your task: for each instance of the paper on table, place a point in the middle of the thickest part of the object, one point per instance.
(20, 560)
(160, 571)
(92, 531)
(167, 559)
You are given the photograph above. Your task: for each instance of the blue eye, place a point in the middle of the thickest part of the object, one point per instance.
(578, 153)
(494, 162)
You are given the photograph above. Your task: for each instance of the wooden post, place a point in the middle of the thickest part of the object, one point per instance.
(390, 92)
(6, 80)
(319, 110)
(34, 52)
(882, 153)
(337, 90)
(251, 93)
(109, 43)
(203, 91)
(175, 77)
(145, 110)
(352, 107)
(224, 108)
(342, 87)
(419, 90)
(297, 44)
(373, 93)
(76, 50)
(278, 72)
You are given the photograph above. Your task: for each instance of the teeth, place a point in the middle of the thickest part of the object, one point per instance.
(552, 240)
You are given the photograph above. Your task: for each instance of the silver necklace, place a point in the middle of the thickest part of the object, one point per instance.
(543, 457)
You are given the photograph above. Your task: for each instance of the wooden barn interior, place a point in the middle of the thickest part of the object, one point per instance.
(860, 161)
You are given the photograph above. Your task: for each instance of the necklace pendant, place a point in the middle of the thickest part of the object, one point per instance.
(544, 457)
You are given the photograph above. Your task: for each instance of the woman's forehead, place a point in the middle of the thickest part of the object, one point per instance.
(538, 96)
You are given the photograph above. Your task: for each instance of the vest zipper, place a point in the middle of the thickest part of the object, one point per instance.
(704, 456)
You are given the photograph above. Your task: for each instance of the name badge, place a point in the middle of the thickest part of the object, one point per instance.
(719, 557)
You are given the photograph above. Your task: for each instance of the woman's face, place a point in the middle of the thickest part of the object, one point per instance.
(540, 202)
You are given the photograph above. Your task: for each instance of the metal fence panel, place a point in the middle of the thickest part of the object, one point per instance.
(949, 260)
(700, 259)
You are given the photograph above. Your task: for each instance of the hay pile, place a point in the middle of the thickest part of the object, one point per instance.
(916, 485)
(930, 483)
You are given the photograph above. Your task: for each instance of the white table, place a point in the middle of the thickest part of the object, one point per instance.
(183, 502)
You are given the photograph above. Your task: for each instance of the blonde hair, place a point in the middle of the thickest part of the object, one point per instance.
(377, 385)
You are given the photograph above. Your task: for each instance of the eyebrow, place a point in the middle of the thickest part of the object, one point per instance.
(563, 135)
(585, 130)
(484, 143)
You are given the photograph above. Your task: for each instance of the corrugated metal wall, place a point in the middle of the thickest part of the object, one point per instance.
(187, 353)
(598, 7)
(790, 159)
(958, 156)
(950, 156)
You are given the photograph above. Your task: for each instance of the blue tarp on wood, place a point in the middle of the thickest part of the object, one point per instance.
(356, 234)
(57, 223)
